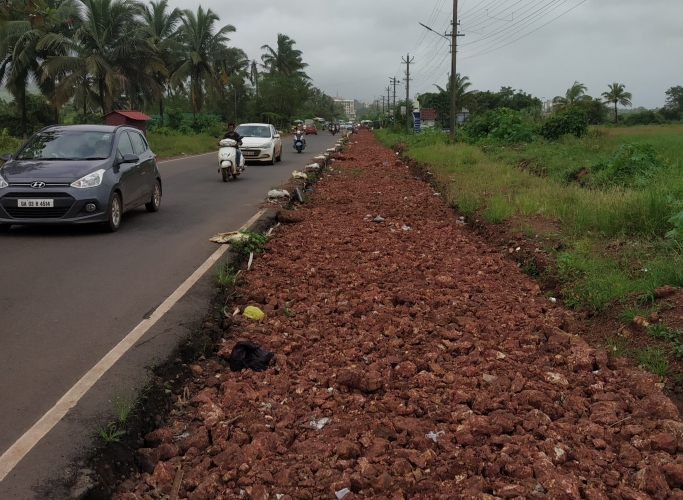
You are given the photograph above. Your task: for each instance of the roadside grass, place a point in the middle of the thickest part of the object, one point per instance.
(168, 146)
(496, 182)
(225, 275)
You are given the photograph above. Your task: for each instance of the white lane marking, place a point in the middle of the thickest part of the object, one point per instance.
(31, 437)
(188, 156)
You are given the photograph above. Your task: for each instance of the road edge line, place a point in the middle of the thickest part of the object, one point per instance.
(22, 446)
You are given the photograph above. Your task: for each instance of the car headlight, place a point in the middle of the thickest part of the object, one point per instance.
(3, 183)
(89, 181)
(264, 146)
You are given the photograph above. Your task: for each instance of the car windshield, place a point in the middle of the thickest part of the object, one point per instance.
(67, 145)
(254, 131)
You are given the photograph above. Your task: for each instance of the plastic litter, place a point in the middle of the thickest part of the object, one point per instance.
(278, 193)
(553, 300)
(434, 435)
(379, 218)
(299, 175)
(313, 166)
(342, 493)
(316, 424)
(253, 312)
(405, 228)
(229, 237)
(309, 190)
(249, 355)
(385, 163)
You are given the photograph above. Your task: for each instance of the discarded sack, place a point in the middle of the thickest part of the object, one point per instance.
(249, 355)
(278, 193)
(229, 237)
(299, 175)
(254, 313)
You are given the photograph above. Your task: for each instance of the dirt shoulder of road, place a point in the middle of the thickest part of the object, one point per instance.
(412, 359)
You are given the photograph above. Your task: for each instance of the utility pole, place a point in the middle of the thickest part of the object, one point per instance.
(393, 81)
(388, 100)
(407, 61)
(382, 104)
(454, 52)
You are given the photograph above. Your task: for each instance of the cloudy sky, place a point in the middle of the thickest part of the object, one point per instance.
(354, 47)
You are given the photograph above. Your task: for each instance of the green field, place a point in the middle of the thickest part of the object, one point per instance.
(615, 188)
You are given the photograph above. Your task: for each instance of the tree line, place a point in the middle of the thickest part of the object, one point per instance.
(90, 57)
(598, 110)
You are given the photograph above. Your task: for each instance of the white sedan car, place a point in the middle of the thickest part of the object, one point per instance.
(260, 142)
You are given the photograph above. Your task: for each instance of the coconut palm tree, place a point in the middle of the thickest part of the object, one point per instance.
(159, 24)
(21, 59)
(575, 94)
(108, 51)
(254, 74)
(617, 95)
(284, 59)
(463, 96)
(202, 45)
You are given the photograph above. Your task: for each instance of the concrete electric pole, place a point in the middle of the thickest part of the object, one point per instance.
(393, 81)
(454, 53)
(407, 61)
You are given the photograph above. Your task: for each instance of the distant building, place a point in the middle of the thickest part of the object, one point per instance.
(349, 107)
(427, 117)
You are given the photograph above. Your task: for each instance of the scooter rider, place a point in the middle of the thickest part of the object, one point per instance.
(231, 134)
(300, 131)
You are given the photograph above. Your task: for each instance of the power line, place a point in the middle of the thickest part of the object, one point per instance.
(527, 34)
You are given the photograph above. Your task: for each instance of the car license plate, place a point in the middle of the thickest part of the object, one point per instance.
(249, 153)
(36, 203)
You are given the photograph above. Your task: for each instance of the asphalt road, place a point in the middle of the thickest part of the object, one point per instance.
(69, 294)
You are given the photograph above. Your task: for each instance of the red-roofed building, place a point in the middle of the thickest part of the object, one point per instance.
(132, 118)
(428, 117)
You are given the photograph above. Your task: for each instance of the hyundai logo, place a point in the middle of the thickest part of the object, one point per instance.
(37, 184)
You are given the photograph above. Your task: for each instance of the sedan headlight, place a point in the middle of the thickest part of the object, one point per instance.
(3, 183)
(264, 146)
(89, 181)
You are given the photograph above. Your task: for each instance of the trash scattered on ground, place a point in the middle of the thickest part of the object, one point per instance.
(278, 193)
(229, 237)
(434, 435)
(309, 190)
(251, 259)
(342, 493)
(249, 355)
(313, 166)
(299, 175)
(553, 300)
(253, 312)
(405, 228)
(316, 424)
(379, 218)
(299, 195)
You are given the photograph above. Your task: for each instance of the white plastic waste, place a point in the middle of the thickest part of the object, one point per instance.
(299, 175)
(278, 193)
(342, 493)
(316, 424)
(434, 435)
(313, 166)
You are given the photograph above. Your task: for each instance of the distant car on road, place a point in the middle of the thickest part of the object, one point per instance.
(78, 174)
(311, 129)
(260, 142)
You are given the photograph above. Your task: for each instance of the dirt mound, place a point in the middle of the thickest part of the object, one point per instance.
(412, 360)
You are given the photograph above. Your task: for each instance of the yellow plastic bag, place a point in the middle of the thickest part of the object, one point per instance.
(254, 313)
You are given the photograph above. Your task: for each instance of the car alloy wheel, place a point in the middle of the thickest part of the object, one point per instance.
(155, 202)
(115, 213)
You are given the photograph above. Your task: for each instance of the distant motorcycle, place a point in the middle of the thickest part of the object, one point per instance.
(227, 160)
(333, 129)
(299, 142)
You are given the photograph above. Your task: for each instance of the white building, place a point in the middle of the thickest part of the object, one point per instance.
(349, 107)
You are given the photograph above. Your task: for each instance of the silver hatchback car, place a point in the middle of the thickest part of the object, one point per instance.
(72, 174)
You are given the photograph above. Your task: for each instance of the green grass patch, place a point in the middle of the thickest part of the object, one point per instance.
(653, 360)
(226, 276)
(546, 179)
(165, 146)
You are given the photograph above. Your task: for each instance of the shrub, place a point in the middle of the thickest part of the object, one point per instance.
(574, 121)
(8, 144)
(647, 117)
(632, 165)
(502, 125)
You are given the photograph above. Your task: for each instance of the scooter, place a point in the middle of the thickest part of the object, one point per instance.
(299, 142)
(227, 160)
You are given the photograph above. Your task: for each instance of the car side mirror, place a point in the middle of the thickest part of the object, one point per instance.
(276, 136)
(130, 158)
(6, 157)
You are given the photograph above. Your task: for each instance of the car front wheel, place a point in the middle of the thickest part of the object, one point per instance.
(115, 212)
(154, 204)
